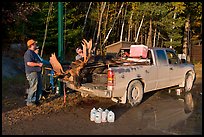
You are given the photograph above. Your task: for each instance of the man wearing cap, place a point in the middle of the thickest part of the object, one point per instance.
(79, 51)
(33, 68)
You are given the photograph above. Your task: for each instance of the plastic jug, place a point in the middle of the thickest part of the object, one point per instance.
(100, 110)
(104, 116)
(111, 116)
(93, 114)
(98, 117)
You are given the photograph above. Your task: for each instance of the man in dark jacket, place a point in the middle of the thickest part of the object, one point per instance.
(33, 68)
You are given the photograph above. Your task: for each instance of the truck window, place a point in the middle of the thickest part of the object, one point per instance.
(172, 58)
(149, 56)
(162, 60)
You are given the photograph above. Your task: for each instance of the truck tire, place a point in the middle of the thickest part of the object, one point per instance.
(188, 82)
(188, 103)
(135, 93)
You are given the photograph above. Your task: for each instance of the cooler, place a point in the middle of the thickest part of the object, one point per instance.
(138, 51)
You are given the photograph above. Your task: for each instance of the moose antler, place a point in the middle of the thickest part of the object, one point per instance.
(86, 45)
(89, 48)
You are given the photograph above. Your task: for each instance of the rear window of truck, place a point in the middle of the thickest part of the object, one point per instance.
(161, 56)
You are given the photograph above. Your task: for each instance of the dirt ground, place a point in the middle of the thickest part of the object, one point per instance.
(160, 113)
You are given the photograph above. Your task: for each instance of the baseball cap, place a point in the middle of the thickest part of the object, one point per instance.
(30, 42)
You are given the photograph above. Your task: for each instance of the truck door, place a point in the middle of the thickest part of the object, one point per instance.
(176, 76)
(150, 73)
(163, 78)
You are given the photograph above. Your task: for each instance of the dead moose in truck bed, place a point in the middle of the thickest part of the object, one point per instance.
(89, 69)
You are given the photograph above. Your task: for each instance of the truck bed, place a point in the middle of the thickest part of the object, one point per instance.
(94, 77)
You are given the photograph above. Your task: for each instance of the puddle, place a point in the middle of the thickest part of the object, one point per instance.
(162, 114)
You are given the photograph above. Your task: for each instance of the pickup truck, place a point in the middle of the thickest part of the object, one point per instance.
(128, 79)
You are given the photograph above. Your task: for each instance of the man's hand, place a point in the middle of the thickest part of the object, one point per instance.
(40, 64)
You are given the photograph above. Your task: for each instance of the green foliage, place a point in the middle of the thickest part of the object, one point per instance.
(167, 17)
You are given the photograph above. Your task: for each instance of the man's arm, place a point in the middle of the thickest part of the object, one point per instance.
(33, 64)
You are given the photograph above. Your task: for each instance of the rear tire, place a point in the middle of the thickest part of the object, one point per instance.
(135, 93)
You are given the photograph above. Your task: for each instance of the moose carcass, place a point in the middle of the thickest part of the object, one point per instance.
(72, 74)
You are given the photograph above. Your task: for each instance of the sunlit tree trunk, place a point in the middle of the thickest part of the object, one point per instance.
(155, 33)
(106, 21)
(139, 29)
(100, 21)
(149, 39)
(130, 27)
(186, 38)
(86, 17)
(121, 34)
(107, 36)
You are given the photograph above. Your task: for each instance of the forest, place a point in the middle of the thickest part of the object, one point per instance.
(155, 24)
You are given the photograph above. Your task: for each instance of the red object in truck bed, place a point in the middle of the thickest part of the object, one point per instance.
(138, 51)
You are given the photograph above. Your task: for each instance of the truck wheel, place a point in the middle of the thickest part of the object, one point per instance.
(135, 92)
(188, 103)
(188, 82)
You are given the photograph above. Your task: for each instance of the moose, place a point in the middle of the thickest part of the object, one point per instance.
(73, 74)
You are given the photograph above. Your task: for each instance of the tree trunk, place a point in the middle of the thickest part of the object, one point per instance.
(121, 34)
(158, 39)
(112, 25)
(186, 39)
(47, 23)
(86, 17)
(155, 33)
(130, 26)
(149, 39)
(145, 39)
(100, 20)
(106, 21)
(141, 38)
(139, 28)
(135, 31)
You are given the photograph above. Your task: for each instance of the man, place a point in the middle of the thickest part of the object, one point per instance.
(33, 68)
(79, 51)
(45, 62)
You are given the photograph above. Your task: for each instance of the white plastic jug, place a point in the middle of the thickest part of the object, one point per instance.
(104, 116)
(93, 114)
(100, 110)
(111, 116)
(98, 117)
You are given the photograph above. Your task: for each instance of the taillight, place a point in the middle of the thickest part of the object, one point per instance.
(110, 79)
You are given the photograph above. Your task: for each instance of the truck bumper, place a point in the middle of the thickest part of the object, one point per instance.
(91, 89)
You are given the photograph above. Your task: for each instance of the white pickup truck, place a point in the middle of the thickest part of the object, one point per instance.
(128, 80)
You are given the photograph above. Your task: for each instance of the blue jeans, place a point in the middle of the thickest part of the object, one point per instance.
(35, 82)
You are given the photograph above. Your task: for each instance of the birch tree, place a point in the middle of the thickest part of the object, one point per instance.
(100, 20)
(86, 17)
(112, 25)
(121, 34)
